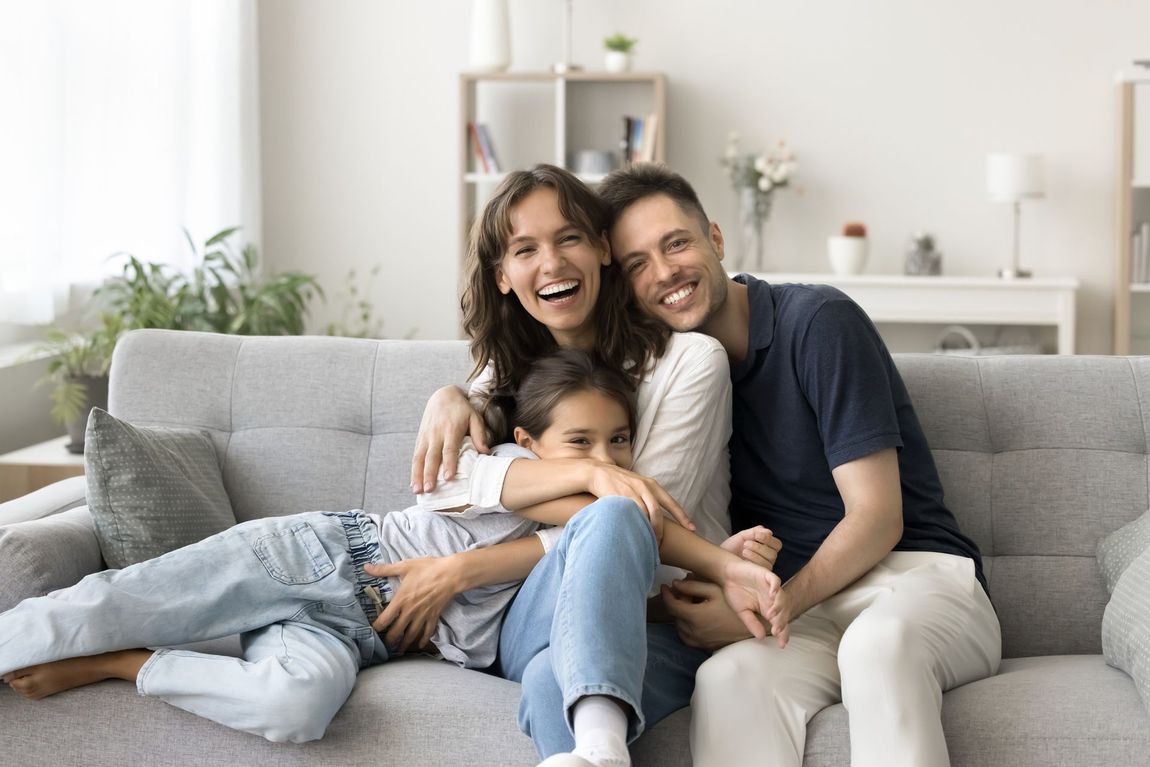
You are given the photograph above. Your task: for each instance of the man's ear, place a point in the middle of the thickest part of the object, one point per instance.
(501, 281)
(717, 239)
(522, 438)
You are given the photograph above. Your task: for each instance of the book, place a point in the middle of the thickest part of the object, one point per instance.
(477, 147)
(488, 148)
(650, 136)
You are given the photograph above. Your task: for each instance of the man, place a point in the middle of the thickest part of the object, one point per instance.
(884, 605)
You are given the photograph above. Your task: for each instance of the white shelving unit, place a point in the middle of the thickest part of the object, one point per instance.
(901, 299)
(1131, 311)
(536, 117)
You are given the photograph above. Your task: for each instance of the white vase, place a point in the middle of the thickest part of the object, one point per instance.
(847, 254)
(490, 36)
(617, 61)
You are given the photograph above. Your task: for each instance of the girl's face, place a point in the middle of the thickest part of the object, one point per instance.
(553, 268)
(585, 424)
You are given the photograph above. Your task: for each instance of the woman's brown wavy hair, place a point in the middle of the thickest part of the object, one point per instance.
(501, 330)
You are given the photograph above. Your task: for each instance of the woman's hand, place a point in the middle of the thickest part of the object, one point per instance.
(447, 419)
(607, 479)
(427, 586)
(755, 544)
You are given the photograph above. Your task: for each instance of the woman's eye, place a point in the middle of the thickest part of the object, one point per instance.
(525, 251)
(570, 239)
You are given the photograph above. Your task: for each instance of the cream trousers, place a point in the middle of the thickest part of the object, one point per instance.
(887, 646)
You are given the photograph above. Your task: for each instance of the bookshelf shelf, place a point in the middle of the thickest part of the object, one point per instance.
(1131, 308)
(534, 117)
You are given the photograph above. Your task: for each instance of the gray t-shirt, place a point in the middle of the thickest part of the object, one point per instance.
(468, 630)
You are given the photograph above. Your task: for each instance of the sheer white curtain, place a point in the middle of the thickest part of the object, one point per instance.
(121, 123)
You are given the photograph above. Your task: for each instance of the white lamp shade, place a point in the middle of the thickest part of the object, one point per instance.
(1011, 177)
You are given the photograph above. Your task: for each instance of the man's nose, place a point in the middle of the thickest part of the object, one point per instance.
(665, 271)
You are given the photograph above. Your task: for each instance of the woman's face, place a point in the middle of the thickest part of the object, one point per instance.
(553, 268)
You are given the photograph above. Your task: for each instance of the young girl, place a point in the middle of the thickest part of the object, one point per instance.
(296, 589)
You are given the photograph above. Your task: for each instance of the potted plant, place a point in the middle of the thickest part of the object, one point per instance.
(619, 47)
(848, 251)
(223, 294)
(78, 373)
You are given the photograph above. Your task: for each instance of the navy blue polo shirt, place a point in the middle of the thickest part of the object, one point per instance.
(819, 389)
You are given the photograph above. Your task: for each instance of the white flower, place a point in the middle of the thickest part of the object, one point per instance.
(780, 173)
(761, 164)
(765, 184)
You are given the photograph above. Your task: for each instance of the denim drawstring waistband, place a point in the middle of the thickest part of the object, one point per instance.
(372, 592)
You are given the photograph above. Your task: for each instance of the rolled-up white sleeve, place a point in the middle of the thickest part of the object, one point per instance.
(478, 482)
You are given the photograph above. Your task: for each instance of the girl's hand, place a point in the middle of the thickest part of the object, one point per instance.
(447, 419)
(749, 590)
(607, 479)
(427, 586)
(755, 544)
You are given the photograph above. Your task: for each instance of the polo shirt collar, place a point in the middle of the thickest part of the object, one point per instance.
(762, 306)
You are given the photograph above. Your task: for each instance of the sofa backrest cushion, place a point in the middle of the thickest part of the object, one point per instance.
(1040, 456)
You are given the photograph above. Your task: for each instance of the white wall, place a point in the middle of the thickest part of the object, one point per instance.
(891, 106)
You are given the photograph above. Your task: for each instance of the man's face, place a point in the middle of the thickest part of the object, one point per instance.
(673, 262)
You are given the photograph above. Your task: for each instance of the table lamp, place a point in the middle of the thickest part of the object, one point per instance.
(1013, 178)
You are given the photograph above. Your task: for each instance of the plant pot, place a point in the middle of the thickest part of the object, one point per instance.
(490, 36)
(847, 254)
(97, 388)
(617, 61)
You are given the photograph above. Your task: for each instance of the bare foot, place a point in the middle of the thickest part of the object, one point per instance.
(37, 682)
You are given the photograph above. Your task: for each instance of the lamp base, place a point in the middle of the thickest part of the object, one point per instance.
(1010, 273)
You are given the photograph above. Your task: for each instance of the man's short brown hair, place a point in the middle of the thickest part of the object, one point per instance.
(626, 186)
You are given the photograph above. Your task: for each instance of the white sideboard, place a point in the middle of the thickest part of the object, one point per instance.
(895, 298)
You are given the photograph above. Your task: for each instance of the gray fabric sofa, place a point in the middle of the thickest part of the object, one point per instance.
(1040, 458)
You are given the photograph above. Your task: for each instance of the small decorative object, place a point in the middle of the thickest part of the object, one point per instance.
(755, 179)
(921, 257)
(1013, 178)
(490, 36)
(848, 251)
(619, 48)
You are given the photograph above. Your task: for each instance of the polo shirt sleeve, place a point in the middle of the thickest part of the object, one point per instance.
(845, 373)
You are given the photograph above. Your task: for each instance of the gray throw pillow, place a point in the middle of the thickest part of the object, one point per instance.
(151, 490)
(1126, 625)
(1121, 547)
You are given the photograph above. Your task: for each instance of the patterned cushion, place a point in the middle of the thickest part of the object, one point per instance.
(151, 490)
(1126, 625)
(1120, 548)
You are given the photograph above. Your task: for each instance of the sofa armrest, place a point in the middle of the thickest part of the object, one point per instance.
(53, 499)
(43, 555)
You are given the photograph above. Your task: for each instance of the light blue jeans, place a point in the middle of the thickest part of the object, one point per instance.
(290, 586)
(578, 627)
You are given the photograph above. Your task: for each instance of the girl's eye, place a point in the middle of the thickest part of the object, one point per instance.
(579, 441)
(621, 439)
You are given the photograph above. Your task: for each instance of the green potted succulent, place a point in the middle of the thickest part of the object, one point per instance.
(619, 47)
(78, 373)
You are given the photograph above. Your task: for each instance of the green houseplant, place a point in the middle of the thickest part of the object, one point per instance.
(224, 293)
(78, 373)
(619, 47)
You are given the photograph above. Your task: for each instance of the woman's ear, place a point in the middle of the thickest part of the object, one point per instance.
(501, 281)
(605, 243)
(522, 438)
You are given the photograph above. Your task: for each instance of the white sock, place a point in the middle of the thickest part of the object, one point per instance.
(600, 726)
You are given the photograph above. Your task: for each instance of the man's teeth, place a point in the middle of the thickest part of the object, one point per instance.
(559, 287)
(679, 295)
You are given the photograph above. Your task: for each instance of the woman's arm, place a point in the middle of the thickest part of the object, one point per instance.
(447, 419)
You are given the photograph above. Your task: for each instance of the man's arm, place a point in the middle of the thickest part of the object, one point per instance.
(871, 527)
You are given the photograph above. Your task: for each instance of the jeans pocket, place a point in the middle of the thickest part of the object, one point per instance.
(294, 556)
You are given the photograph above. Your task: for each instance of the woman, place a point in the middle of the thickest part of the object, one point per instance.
(539, 277)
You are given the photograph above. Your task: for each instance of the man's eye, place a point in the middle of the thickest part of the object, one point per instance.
(676, 244)
(635, 265)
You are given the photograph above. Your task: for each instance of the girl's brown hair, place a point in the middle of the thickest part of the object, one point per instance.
(551, 379)
(501, 330)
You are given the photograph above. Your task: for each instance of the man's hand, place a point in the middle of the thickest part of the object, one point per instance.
(427, 586)
(607, 479)
(702, 617)
(779, 615)
(447, 419)
(755, 544)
